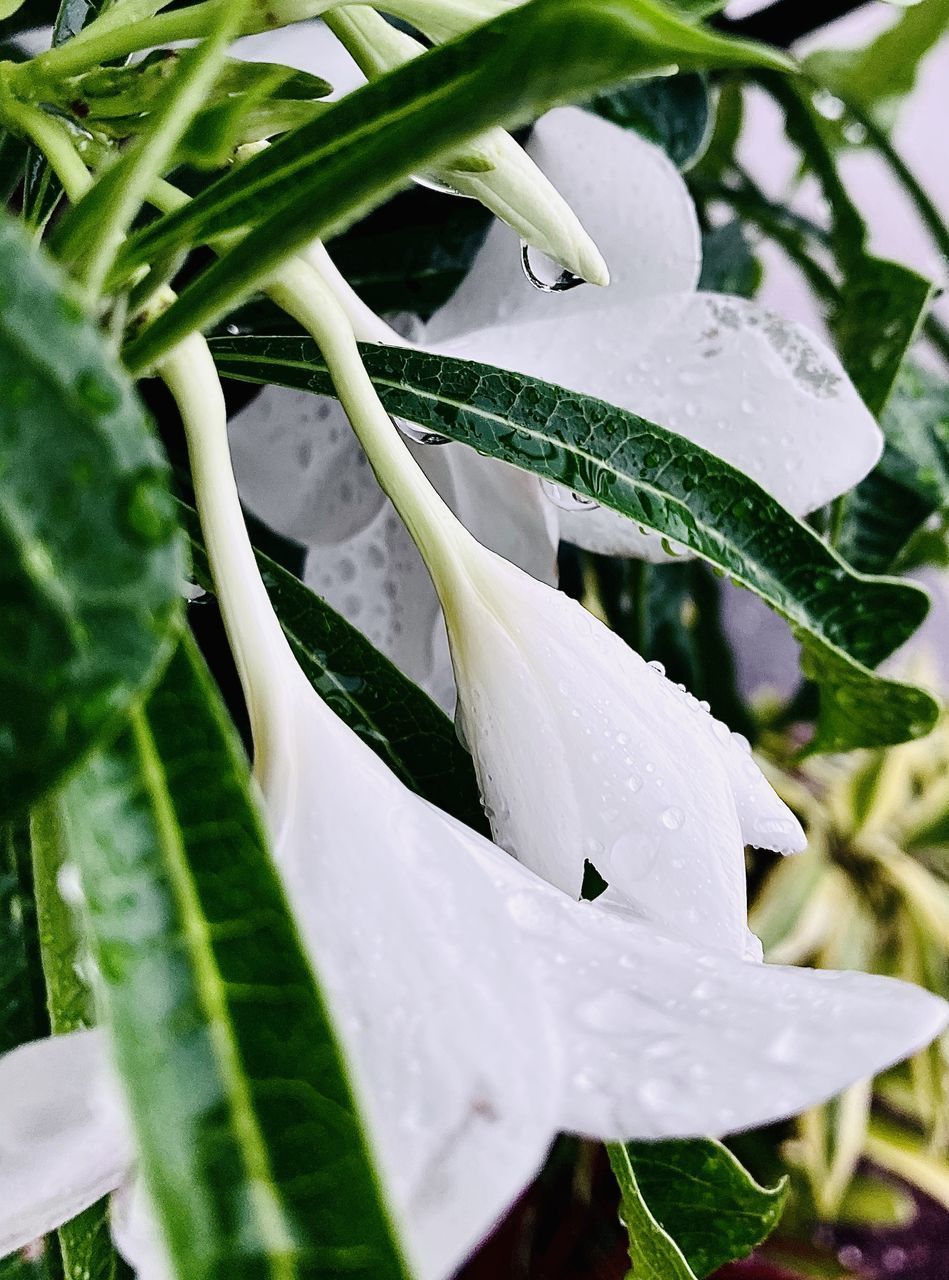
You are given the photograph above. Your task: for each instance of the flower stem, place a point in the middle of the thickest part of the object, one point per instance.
(441, 538)
(260, 649)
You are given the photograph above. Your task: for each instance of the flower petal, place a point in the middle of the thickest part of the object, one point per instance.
(136, 1234)
(668, 1040)
(752, 388)
(64, 1141)
(413, 951)
(629, 197)
(300, 467)
(584, 752)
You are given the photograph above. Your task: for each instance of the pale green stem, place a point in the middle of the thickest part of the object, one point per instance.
(260, 649)
(440, 536)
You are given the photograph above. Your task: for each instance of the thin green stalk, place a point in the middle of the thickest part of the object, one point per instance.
(300, 290)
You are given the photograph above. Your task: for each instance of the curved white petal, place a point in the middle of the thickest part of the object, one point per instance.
(584, 752)
(64, 1141)
(629, 197)
(759, 391)
(666, 1039)
(444, 1028)
(301, 469)
(136, 1234)
(766, 821)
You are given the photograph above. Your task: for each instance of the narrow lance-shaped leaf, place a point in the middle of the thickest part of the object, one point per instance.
(319, 179)
(391, 714)
(90, 561)
(247, 1132)
(847, 622)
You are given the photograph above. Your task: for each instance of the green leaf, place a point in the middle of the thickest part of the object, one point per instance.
(652, 1251)
(247, 1131)
(911, 481)
(392, 715)
(320, 178)
(847, 623)
(705, 1200)
(882, 305)
(90, 559)
(674, 112)
(878, 75)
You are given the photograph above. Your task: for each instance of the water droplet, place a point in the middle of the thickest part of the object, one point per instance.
(785, 1047)
(634, 783)
(673, 818)
(656, 666)
(560, 283)
(566, 499)
(97, 391)
(418, 435)
(656, 1094)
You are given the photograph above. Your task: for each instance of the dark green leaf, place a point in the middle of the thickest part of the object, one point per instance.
(73, 15)
(413, 252)
(391, 714)
(90, 560)
(911, 481)
(703, 1198)
(320, 178)
(674, 112)
(882, 305)
(247, 1131)
(847, 622)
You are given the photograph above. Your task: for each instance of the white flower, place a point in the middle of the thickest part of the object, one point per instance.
(481, 1010)
(756, 390)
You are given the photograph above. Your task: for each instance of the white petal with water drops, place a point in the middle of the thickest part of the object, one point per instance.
(64, 1142)
(443, 1027)
(584, 752)
(665, 1039)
